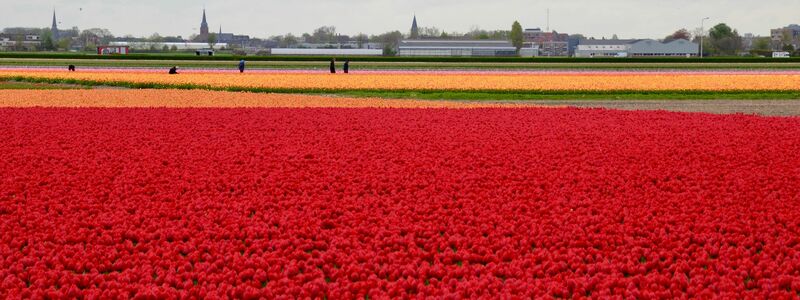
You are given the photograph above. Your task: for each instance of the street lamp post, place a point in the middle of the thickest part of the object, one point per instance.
(702, 33)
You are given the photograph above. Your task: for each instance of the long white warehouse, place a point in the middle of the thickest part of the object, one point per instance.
(305, 51)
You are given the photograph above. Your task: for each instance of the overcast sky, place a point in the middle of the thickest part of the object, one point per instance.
(264, 18)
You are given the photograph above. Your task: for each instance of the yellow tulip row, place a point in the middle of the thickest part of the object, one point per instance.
(455, 82)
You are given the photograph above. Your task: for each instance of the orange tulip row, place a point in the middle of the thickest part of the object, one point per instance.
(466, 82)
(203, 99)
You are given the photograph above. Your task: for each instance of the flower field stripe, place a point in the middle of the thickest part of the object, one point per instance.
(475, 95)
(440, 82)
(350, 203)
(423, 71)
(208, 99)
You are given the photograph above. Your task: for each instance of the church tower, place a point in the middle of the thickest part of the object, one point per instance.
(54, 28)
(414, 29)
(204, 25)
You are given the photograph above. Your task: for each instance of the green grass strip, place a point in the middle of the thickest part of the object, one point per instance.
(450, 94)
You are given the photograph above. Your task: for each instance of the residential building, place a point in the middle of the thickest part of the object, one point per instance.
(20, 42)
(789, 35)
(549, 43)
(485, 48)
(636, 48)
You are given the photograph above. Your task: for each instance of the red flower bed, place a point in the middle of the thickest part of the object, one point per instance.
(347, 203)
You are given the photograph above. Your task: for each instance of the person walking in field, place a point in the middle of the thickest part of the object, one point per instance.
(346, 66)
(241, 66)
(173, 70)
(71, 68)
(333, 66)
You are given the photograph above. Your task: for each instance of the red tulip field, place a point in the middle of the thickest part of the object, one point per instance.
(346, 203)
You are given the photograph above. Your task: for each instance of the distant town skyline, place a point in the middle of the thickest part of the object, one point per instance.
(625, 18)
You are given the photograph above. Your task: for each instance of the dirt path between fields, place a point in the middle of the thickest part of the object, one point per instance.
(760, 107)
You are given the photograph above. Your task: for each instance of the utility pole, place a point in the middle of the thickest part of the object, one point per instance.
(547, 32)
(702, 33)
(548, 20)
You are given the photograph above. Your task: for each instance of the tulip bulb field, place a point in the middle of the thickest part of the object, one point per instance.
(187, 191)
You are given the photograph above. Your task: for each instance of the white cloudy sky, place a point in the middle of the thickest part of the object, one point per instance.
(263, 18)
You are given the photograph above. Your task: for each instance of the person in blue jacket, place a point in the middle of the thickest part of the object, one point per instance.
(241, 66)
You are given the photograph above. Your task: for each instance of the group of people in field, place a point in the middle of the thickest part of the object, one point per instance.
(174, 69)
(346, 67)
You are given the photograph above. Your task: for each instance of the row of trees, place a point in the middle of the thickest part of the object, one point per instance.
(722, 40)
(88, 38)
(328, 35)
(475, 33)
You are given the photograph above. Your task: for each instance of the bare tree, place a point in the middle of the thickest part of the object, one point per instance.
(324, 34)
(287, 40)
(429, 32)
(680, 34)
(361, 39)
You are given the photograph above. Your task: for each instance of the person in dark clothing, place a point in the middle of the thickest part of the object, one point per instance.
(333, 66)
(241, 66)
(346, 66)
(173, 70)
(71, 68)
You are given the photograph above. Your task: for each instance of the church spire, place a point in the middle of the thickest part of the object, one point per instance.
(204, 25)
(414, 28)
(54, 27)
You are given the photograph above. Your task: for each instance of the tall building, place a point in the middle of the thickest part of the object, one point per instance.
(54, 28)
(204, 26)
(414, 29)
